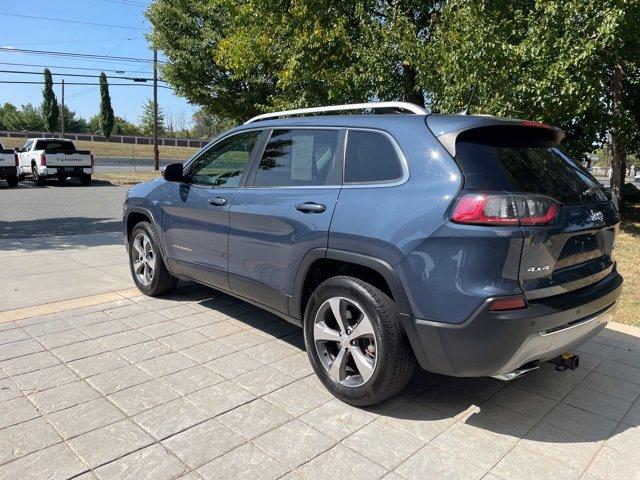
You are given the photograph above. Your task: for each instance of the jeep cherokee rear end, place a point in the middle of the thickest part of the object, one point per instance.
(526, 254)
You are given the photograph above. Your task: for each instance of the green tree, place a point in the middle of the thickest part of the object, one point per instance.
(106, 110)
(27, 117)
(206, 125)
(570, 63)
(73, 123)
(50, 109)
(146, 120)
(238, 59)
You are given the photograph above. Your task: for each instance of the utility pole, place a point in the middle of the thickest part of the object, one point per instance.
(62, 112)
(156, 153)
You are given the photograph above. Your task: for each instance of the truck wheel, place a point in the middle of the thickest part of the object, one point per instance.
(12, 181)
(39, 179)
(85, 179)
(146, 263)
(355, 341)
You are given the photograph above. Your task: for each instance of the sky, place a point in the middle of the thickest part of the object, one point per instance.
(50, 35)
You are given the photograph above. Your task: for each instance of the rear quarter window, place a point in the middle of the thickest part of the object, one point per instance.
(370, 157)
(55, 146)
(520, 159)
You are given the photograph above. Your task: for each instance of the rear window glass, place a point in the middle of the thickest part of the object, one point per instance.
(370, 157)
(55, 146)
(506, 159)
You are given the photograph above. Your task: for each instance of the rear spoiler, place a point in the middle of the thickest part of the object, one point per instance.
(447, 128)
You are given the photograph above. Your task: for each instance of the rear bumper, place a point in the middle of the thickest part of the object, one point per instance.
(8, 171)
(68, 171)
(496, 343)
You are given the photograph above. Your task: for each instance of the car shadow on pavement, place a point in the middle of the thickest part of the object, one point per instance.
(41, 233)
(548, 411)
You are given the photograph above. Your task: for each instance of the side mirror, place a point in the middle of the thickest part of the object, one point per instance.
(173, 172)
(17, 150)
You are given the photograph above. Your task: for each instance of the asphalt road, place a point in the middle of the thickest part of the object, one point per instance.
(28, 211)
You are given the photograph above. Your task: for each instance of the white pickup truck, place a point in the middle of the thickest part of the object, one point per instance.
(9, 166)
(40, 158)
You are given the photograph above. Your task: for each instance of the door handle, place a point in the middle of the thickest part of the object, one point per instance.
(218, 201)
(310, 207)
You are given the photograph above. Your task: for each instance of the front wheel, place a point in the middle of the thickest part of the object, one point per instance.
(146, 263)
(85, 179)
(355, 341)
(12, 181)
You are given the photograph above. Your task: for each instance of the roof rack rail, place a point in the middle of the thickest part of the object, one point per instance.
(406, 106)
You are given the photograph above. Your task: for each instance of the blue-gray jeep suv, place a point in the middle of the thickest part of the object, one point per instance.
(470, 244)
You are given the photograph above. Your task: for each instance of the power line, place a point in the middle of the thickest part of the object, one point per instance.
(124, 2)
(72, 21)
(26, 82)
(74, 68)
(74, 42)
(74, 55)
(135, 79)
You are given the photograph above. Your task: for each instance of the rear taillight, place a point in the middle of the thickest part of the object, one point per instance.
(93, 161)
(504, 209)
(43, 160)
(15, 157)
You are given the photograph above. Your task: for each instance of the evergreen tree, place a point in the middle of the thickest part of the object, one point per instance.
(50, 109)
(106, 110)
(146, 121)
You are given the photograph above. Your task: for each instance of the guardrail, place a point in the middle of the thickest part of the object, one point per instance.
(129, 139)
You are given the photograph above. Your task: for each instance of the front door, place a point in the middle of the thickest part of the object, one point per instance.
(283, 212)
(196, 212)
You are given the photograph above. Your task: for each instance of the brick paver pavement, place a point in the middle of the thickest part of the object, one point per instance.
(200, 385)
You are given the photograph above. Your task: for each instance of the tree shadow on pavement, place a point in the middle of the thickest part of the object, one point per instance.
(48, 227)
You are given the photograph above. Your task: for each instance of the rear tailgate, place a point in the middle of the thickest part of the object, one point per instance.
(7, 158)
(70, 159)
(573, 249)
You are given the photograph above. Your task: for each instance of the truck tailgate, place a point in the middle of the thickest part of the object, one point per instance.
(76, 159)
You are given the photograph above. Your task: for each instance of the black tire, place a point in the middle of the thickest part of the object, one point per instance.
(162, 281)
(37, 178)
(395, 361)
(12, 181)
(85, 179)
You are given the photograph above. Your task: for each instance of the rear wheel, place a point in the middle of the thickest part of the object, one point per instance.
(37, 178)
(355, 341)
(85, 179)
(12, 181)
(146, 263)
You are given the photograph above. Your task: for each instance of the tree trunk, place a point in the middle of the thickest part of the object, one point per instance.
(412, 93)
(618, 152)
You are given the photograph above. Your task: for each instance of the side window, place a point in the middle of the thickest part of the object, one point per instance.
(370, 157)
(222, 164)
(303, 157)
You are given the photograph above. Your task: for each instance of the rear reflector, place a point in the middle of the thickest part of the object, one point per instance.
(508, 304)
(504, 209)
(43, 160)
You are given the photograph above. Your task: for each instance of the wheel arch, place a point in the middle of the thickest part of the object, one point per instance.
(378, 272)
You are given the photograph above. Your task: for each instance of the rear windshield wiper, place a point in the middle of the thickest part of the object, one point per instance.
(593, 189)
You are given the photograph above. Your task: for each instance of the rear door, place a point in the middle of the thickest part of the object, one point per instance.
(571, 250)
(283, 212)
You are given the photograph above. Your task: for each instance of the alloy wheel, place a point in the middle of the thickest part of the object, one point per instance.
(143, 259)
(345, 341)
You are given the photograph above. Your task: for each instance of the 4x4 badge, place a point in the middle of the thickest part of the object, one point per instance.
(596, 216)
(541, 268)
